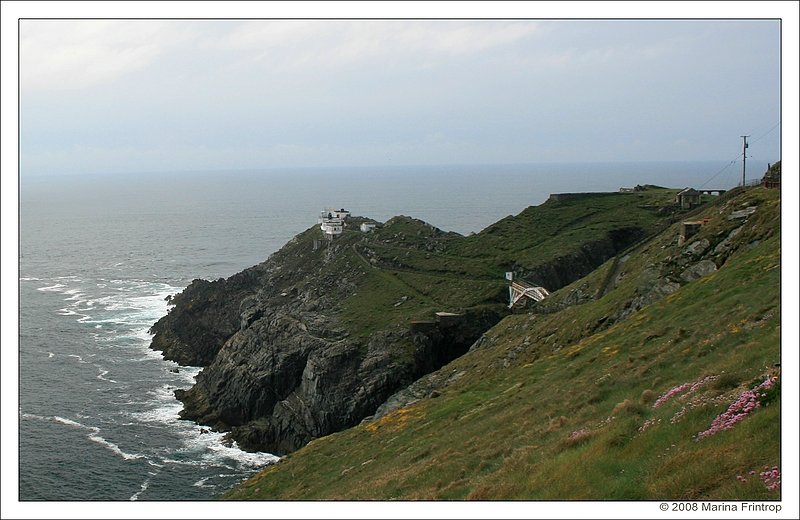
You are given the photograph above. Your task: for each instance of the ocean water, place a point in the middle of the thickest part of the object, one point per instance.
(99, 255)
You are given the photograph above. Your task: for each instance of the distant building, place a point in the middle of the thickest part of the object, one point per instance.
(332, 227)
(772, 178)
(366, 227)
(329, 213)
(331, 221)
(688, 198)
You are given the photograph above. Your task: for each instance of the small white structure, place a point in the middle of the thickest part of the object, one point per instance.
(366, 227)
(520, 289)
(332, 227)
(329, 213)
(331, 221)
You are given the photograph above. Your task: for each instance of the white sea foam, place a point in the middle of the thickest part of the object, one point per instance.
(166, 410)
(202, 483)
(144, 487)
(79, 358)
(114, 448)
(102, 375)
(244, 458)
(187, 462)
(50, 354)
(52, 288)
(29, 279)
(189, 374)
(167, 414)
(70, 422)
(149, 355)
(33, 416)
(214, 452)
(74, 294)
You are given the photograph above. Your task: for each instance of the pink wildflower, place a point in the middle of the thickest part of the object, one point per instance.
(688, 388)
(736, 412)
(672, 392)
(771, 478)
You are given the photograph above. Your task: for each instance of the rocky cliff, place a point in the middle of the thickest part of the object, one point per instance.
(319, 336)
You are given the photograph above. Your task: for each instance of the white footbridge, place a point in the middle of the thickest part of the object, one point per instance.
(519, 291)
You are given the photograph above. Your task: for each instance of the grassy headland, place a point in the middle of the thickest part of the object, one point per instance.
(656, 376)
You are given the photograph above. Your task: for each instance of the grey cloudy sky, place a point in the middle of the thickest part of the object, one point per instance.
(159, 95)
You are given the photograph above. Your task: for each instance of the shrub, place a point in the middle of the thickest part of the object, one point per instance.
(648, 396)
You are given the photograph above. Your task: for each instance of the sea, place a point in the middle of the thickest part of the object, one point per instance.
(99, 254)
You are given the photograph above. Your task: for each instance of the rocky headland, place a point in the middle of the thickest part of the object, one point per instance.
(320, 335)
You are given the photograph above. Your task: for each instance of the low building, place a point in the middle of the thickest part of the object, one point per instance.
(332, 227)
(331, 222)
(329, 213)
(366, 227)
(688, 198)
(772, 178)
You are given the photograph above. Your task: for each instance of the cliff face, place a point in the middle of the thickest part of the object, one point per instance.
(203, 317)
(317, 337)
(280, 367)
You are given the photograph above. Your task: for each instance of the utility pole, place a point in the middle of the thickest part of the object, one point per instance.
(744, 155)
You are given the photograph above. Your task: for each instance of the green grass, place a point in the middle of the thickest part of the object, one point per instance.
(410, 269)
(553, 406)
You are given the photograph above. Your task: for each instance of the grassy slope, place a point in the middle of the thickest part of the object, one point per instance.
(545, 409)
(412, 270)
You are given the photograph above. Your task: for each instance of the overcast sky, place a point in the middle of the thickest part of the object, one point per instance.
(158, 95)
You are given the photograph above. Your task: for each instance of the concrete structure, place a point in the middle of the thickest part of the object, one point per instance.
(331, 222)
(366, 227)
(688, 198)
(329, 213)
(689, 229)
(447, 319)
(443, 320)
(332, 227)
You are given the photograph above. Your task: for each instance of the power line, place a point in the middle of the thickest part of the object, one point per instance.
(766, 133)
(735, 159)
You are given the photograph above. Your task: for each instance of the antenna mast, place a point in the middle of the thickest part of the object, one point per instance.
(744, 156)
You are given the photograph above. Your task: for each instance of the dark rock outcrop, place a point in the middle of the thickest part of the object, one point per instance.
(280, 369)
(203, 318)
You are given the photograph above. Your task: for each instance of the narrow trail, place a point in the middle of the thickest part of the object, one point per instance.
(387, 275)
